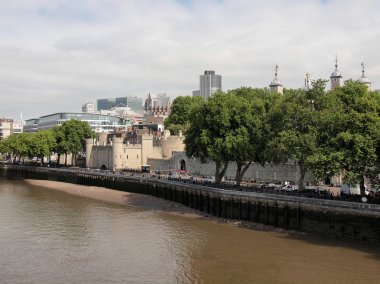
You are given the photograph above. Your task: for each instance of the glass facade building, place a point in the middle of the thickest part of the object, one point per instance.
(132, 102)
(97, 122)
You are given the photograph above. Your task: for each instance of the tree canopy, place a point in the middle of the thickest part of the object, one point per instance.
(69, 138)
(179, 118)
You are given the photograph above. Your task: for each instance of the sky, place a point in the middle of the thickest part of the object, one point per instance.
(56, 55)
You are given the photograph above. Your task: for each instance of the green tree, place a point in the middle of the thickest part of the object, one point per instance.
(349, 129)
(247, 136)
(61, 147)
(206, 137)
(18, 145)
(294, 121)
(179, 118)
(72, 137)
(42, 144)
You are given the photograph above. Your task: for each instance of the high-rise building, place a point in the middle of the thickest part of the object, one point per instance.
(132, 102)
(209, 83)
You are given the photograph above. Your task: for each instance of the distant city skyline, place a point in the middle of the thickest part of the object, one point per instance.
(56, 55)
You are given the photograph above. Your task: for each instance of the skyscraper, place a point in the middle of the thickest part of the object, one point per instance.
(209, 83)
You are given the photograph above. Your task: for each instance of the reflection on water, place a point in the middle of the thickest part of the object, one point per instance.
(48, 236)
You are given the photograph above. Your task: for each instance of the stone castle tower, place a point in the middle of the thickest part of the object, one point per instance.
(336, 78)
(275, 86)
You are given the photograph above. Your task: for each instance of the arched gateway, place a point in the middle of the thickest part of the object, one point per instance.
(182, 165)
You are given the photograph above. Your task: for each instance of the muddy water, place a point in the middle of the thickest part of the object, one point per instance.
(48, 236)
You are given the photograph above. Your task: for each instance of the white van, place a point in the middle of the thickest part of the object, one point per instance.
(354, 189)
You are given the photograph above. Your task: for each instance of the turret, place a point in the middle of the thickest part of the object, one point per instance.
(89, 144)
(336, 79)
(117, 152)
(307, 85)
(275, 85)
(364, 80)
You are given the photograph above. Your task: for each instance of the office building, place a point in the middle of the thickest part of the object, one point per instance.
(209, 83)
(97, 122)
(132, 102)
(8, 127)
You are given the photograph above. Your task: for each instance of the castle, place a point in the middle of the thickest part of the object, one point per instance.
(163, 152)
(130, 150)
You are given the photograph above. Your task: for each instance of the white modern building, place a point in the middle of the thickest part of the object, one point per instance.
(97, 122)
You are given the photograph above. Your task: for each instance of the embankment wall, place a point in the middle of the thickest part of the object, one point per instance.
(346, 220)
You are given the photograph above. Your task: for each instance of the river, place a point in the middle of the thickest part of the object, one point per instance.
(49, 236)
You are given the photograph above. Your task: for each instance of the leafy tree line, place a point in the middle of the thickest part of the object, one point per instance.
(324, 132)
(68, 138)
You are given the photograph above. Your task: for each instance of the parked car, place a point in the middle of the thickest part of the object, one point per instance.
(289, 188)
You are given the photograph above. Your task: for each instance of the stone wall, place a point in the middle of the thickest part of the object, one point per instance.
(101, 155)
(337, 219)
(279, 173)
(116, 154)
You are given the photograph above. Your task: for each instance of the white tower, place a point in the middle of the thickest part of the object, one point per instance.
(364, 80)
(336, 78)
(275, 85)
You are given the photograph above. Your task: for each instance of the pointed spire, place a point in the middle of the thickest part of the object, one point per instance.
(362, 64)
(275, 81)
(336, 73)
(275, 74)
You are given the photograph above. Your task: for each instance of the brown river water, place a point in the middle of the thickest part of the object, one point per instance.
(49, 236)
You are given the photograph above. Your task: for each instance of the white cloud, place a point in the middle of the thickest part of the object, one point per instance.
(56, 55)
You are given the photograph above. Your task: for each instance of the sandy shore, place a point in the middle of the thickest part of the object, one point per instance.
(117, 197)
(147, 202)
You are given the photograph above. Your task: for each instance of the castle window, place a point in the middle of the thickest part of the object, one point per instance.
(127, 157)
(137, 156)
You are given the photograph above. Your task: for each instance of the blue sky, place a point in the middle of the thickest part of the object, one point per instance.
(57, 55)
